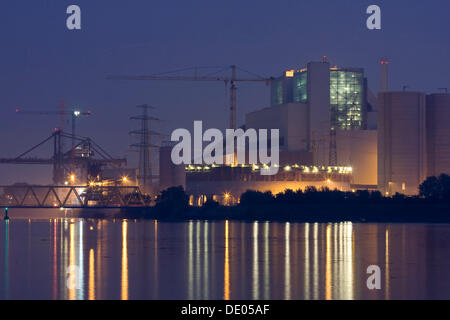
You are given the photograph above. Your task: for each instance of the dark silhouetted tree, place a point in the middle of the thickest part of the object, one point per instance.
(444, 183)
(172, 201)
(211, 205)
(251, 197)
(288, 196)
(431, 189)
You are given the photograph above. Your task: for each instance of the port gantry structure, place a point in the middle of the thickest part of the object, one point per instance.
(86, 155)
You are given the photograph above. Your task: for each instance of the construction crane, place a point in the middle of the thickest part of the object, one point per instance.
(208, 77)
(74, 113)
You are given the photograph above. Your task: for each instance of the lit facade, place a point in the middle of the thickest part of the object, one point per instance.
(310, 104)
(347, 93)
(226, 183)
(347, 97)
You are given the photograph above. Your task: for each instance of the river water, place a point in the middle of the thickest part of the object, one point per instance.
(56, 256)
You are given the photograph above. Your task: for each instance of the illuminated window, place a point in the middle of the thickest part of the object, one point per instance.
(300, 87)
(289, 73)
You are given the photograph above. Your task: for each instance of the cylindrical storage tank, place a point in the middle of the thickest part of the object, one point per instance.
(402, 160)
(179, 176)
(438, 134)
(170, 175)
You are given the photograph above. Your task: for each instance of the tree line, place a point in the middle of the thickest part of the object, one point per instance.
(435, 189)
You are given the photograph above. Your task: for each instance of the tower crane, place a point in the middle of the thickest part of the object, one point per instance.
(233, 79)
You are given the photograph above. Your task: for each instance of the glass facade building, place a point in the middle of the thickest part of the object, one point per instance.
(276, 92)
(347, 98)
(347, 95)
(300, 93)
(281, 91)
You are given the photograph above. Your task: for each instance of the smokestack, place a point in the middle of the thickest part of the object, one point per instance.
(384, 75)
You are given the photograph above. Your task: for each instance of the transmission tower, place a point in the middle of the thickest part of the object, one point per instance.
(145, 148)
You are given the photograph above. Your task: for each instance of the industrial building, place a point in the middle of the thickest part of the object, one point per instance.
(226, 183)
(324, 89)
(327, 115)
(334, 133)
(170, 174)
(401, 141)
(438, 134)
(413, 140)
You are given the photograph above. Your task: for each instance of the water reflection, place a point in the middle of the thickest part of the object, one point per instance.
(386, 279)
(191, 263)
(315, 271)
(205, 260)
(226, 281)
(266, 261)
(91, 275)
(255, 262)
(72, 271)
(306, 280)
(155, 258)
(124, 281)
(107, 259)
(328, 264)
(6, 260)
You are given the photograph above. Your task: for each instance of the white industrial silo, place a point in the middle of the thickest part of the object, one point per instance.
(402, 160)
(170, 175)
(438, 134)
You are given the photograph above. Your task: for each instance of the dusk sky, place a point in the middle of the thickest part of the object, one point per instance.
(43, 62)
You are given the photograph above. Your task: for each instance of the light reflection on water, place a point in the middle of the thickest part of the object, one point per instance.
(221, 260)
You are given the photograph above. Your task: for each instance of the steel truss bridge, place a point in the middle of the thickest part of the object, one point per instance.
(31, 196)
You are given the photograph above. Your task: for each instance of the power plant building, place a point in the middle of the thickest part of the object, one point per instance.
(170, 174)
(320, 86)
(334, 132)
(413, 140)
(306, 105)
(438, 134)
(328, 113)
(402, 147)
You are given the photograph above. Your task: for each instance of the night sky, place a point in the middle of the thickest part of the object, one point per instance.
(43, 62)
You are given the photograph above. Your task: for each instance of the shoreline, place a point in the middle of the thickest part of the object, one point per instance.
(376, 213)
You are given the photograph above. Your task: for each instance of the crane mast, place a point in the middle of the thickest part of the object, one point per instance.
(233, 98)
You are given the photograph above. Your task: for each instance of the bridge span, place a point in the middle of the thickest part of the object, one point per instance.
(67, 196)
